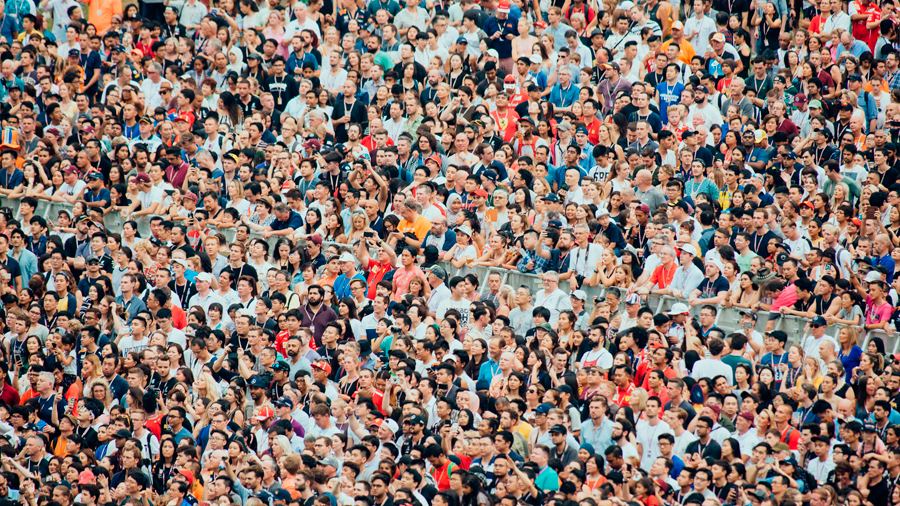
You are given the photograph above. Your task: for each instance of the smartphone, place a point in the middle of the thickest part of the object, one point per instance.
(770, 460)
(368, 234)
(870, 212)
(748, 325)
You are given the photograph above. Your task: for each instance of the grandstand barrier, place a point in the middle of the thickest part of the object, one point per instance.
(728, 319)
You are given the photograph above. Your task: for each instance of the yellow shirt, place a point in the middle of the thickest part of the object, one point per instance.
(420, 228)
(687, 50)
(101, 12)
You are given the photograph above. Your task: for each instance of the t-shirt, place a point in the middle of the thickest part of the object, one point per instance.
(710, 368)
(461, 305)
(420, 228)
(877, 314)
(709, 289)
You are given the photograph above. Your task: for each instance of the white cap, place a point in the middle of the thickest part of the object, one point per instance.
(346, 257)
(678, 308)
(873, 276)
(204, 276)
(580, 295)
(391, 425)
(719, 265)
(689, 248)
(536, 58)
(180, 262)
(494, 53)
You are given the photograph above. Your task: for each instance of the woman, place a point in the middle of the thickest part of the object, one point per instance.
(404, 273)
(164, 466)
(464, 250)
(496, 255)
(235, 398)
(850, 353)
(275, 31)
(747, 293)
(349, 384)
(408, 80)
(69, 297)
(851, 312)
(263, 216)
(524, 44)
(31, 185)
(236, 194)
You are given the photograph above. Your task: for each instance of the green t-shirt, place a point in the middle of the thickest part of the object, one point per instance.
(733, 361)
(547, 480)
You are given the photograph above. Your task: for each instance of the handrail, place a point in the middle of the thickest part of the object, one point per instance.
(727, 318)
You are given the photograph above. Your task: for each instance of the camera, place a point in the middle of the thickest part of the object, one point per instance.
(396, 329)
(395, 380)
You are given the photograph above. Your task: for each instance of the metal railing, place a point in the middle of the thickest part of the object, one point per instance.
(727, 319)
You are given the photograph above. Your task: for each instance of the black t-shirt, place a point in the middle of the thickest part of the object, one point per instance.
(722, 492)
(248, 108)
(244, 270)
(879, 494)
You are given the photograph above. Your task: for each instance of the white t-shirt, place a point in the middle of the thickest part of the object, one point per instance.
(128, 344)
(147, 199)
(648, 437)
(710, 368)
(69, 191)
(462, 306)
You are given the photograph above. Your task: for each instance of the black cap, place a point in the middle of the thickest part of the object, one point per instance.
(559, 429)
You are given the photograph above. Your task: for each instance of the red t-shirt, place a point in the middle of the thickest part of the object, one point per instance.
(859, 29)
(507, 125)
(377, 270)
(441, 475)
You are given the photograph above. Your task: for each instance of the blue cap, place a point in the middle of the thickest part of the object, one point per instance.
(74, 52)
(544, 408)
(462, 40)
(119, 47)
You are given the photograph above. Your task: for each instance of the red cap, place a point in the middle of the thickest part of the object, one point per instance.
(480, 193)
(509, 79)
(265, 413)
(189, 475)
(323, 365)
(807, 204)
(542, 24)
(857, 222)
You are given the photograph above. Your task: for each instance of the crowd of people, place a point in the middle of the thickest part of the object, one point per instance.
(273, 270)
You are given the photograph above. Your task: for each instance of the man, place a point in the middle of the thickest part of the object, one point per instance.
(560, 449)
(315, 315)
(552, 297)
(704, 446)
(648, 431)
(131, 303)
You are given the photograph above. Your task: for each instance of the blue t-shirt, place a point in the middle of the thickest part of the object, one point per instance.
(668, 95)
(101, 196)
(775, 361)
(710, 289)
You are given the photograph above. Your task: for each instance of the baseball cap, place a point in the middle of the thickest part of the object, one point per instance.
(204, 276)
(265, 413)
(322, 365)
(559, 429)
(256, 381)
(437, 270)
(689, 248)
(633, 299)
(142, 177)
(284, 401)
(544, 408)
